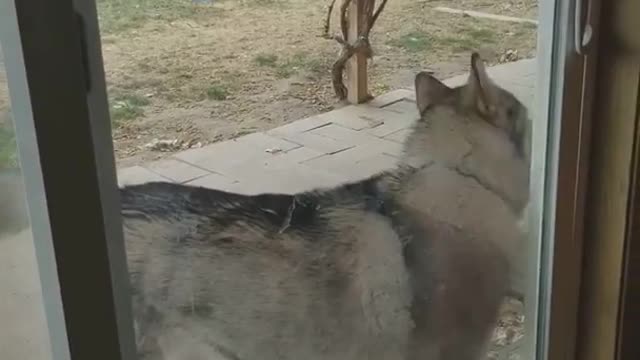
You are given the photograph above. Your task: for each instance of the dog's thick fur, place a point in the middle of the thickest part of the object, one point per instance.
(409, 264)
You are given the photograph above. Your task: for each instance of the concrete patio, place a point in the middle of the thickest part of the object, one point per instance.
(346, 144)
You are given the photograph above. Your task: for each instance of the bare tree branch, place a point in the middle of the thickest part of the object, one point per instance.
(373, 19)
(340, 40)
(367, 14)
(338, 69)
(360, 45)
(344, 21)
(327, 23)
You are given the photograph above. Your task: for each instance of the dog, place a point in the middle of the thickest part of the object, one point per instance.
(412, 263)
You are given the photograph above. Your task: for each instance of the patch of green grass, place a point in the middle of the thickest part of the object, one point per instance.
(379, 88)
(458, 43)
(127, 107)
(120, 15)
(458, 39)
(469, 38)
(8, 147)
(480, 34)
(284, 71)
(314, 65)
(525, 29)
(297, 63)
(217, 92)
(268, 60)
(414, 41)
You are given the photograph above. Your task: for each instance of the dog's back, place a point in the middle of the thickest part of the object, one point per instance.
(315, 276)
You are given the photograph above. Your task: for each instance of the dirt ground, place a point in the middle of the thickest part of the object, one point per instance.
(193, 72)
(234, 67)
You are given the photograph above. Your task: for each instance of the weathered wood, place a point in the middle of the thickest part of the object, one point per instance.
(357, 18)
(356, 67)
(607, 223)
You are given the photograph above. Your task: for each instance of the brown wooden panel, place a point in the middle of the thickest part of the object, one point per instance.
(629, 328)
(356, 69)
(617, 83)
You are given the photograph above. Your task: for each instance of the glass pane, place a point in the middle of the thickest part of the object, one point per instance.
(265, 219)
(224, 100)
(23, 333)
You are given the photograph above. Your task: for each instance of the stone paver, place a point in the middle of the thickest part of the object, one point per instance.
(398, 136)
(359, 117)
(266, 142)
(214, 181)
(292, 179)
(317, 142)
(392, 97)
(324, 150)
(355, 164)
(301, 125)
(222, 157)
(137, 175)
(404, 107)
(177, 170)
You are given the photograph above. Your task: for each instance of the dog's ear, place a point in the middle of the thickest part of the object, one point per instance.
(429, 91)
(480, 88)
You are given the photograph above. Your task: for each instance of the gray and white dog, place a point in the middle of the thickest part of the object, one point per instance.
(412, 263)
(409, 264)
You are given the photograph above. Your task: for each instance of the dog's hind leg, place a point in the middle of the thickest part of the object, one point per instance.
(466, 304)
(455, 317)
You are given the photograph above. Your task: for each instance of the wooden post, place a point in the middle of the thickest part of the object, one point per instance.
(356, 68)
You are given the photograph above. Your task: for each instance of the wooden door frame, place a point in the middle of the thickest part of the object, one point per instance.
(628, 347)
(606, 324)
(59, 102)
(595, 276)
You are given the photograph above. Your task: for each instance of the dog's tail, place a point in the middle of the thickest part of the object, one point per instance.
(13, 206)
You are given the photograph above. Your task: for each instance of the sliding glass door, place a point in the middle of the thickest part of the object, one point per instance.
(62, 253)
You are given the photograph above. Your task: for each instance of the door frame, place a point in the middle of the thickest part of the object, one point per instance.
(63, 131)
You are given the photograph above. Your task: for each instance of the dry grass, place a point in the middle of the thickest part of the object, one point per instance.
(233, 67)
(187, 70)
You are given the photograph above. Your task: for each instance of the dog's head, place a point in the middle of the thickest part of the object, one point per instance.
(479, 100)
(478, 129)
